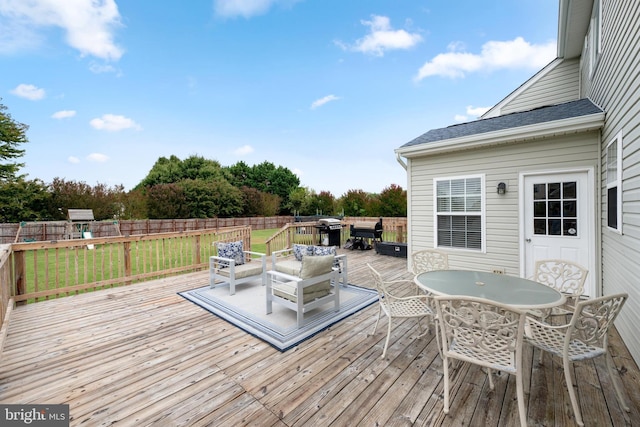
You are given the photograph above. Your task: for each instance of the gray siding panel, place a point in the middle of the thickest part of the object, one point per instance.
(503, 163)
(559, 85)
(615, 86)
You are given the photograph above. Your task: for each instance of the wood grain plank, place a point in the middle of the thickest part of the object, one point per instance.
(143, 355)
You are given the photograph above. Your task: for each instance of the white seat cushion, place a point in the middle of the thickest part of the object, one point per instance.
(244, 270)
(312, 266)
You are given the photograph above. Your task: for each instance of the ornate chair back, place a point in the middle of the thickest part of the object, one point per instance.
(429, 260)
(485, 333)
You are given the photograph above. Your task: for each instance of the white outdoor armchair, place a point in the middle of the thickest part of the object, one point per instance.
(289, 260)
(314, 286)
(416, 306)
(585, 337)
(484, 333)
(234, 266)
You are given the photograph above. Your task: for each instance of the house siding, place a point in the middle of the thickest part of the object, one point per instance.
(614, 85)
(559, 85)
(498, 164)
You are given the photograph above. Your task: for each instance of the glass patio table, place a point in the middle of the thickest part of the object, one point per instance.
(514, 291)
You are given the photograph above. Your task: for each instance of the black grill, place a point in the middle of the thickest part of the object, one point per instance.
(365, 230)
(331, 228)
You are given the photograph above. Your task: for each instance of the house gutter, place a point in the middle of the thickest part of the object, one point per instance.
(563, 13)
(402, 162)
(512, 135)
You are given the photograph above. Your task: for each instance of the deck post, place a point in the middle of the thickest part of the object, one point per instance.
(20, 274)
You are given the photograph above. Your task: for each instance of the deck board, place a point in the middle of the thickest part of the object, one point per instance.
(142, 355)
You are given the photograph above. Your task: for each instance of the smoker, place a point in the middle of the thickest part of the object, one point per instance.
(360, 231)
(330, 229)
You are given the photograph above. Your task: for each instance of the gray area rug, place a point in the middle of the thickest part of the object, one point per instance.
(247, 310)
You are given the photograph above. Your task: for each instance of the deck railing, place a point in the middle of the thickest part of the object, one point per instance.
(6, 303)
(394, 230)
(304, 233)
(35, 271)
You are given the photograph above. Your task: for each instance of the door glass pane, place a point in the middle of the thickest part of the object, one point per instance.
(569, 190)
(569, 227)
(555, 209)
(569, 208)
(540, 226)
(555, 227)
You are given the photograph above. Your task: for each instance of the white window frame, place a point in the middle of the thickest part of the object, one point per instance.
(481, 213)
(614, 180)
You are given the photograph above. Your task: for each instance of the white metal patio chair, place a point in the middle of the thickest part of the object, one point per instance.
(484, 333)
(584, 337)
(564, 276)
(415, 306)
(429, 260)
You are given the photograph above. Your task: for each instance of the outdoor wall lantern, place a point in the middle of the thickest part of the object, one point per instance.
(502, 188)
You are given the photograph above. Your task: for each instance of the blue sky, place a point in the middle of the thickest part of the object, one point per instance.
(326, 88)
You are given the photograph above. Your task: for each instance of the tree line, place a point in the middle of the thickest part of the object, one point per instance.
(194, 187)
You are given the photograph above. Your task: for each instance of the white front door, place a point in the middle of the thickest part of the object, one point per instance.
(558, 221)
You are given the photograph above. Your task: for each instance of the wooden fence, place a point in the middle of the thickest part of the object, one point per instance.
(58, 230)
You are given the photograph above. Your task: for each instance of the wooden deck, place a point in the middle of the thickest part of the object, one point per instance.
(142, 355)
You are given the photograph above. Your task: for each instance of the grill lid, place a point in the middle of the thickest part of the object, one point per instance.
(329, 222)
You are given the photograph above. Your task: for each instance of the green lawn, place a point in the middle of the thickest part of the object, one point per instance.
(74, 266)
(259, 237)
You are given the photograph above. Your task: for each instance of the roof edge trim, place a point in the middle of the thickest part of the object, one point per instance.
(557, 127)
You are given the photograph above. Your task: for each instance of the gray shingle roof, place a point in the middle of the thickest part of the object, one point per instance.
(581, 107)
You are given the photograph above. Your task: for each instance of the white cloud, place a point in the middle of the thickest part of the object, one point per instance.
(475, 112)
(382, 38)
(244, 150)
(320, 102)
(97, 157)
(63, 114)
(112, 123)
(30, 92)
(245, 8)
(73, 159)
(97, 68)
(512, 54)
(89, 25)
